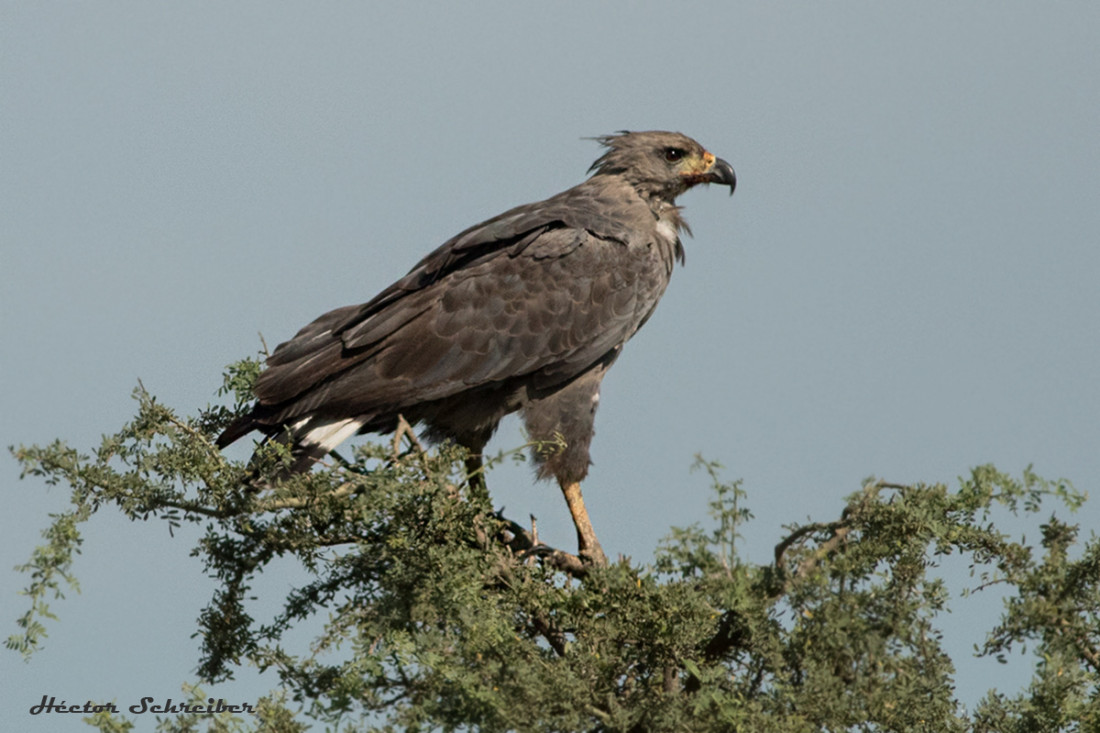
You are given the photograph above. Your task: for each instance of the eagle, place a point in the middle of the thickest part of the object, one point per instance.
(524, 312)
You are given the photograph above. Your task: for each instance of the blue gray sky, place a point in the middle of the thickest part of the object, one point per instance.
(904, 285)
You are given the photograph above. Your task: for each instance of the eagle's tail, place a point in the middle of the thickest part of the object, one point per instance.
(310, 438)
(236, 430)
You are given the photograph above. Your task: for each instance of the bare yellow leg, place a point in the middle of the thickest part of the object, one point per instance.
(586, 536)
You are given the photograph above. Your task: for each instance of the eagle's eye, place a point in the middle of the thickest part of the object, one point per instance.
(674, 154)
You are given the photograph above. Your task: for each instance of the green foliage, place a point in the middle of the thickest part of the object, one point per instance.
(433, 612)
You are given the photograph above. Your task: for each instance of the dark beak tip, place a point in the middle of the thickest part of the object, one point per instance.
(724, 174)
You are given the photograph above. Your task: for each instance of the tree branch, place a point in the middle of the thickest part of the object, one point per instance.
(406, 430)
(548, 630)
(297, 502)
(1081, 644)
(193, 508)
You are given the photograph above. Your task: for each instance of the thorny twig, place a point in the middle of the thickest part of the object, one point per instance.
(839, 531)
(405, 430)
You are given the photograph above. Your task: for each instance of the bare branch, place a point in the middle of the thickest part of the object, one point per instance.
(405, 430)
(797, 536)
(194, 508)
(840, 533)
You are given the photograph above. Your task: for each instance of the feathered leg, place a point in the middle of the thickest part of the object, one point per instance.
(561, 424)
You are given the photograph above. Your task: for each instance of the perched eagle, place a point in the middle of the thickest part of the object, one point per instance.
(524, 312)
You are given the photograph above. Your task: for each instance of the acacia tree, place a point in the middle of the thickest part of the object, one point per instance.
(445, 615)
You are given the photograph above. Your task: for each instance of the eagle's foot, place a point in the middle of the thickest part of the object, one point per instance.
(592, 554)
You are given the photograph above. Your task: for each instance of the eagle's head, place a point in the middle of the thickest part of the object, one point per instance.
(663, 164)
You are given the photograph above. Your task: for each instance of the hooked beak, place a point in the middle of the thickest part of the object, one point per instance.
(722, 173)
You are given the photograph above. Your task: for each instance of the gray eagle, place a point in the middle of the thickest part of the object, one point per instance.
(524, 312)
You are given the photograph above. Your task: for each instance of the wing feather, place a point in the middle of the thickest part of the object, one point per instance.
(541, 291)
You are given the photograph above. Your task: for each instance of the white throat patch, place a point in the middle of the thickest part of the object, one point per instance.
(666, 230)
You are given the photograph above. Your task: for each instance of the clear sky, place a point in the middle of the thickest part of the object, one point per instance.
(905, 284)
